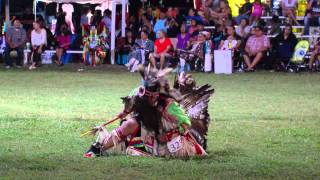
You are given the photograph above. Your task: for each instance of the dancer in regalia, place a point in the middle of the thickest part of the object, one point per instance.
(159, 121)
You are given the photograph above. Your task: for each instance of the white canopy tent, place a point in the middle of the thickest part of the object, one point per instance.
(113, 27)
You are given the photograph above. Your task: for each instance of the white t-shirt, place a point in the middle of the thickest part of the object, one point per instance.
(290, 4)
(246, 31)
(38, 39)
(229, 45)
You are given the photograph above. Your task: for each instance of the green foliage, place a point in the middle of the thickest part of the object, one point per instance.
(265, 125)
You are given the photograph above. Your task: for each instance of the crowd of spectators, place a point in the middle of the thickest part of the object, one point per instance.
(159, 34)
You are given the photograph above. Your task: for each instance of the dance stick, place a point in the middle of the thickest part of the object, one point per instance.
(92, 131)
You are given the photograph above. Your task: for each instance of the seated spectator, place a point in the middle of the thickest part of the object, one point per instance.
(162, 46)
(124, 47)
(145, 21)
(257, 10)
(141, 48)
(64, 42)
(255, 49)
(193, 26)
(314, 56)
(107, 19)
(176, 14)
(84, 20)
(200, 28)
(16, 37)
(289, 8)
(244, 11)
(275, 26)
(312, 17)
(283, 47)
(217, 36)
(222, 15)
(171, 24)
(152, 35)
(27, 19)
(160, 24)
(231, 42)
(243, 29)
(38, 41)
(194, 55)
(183, 38)
(192, 15)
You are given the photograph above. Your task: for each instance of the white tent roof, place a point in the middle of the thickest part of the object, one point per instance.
(74, 1)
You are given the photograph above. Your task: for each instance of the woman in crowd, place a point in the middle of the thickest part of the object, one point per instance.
(194, 55)
(231, 42)
(193, 26)
(162, 46)
(183, 38)
(38, 41)
(124, 46)
(243, 30)
(142, 48)
(256, 48)
(64, 42)
(283, 47)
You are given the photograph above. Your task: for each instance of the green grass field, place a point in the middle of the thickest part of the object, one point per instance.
(265, 125)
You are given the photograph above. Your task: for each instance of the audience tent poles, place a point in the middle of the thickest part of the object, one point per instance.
(113, 27)
(7, 11)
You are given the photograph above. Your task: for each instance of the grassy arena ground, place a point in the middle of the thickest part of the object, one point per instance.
(265, 125)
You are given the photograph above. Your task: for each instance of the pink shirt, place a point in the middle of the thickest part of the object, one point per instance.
(257, 10)
(62, 40)
(255, 43)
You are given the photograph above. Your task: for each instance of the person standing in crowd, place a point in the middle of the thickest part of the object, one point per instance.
(64, 42)
(312, 17)
(38, 41)
(16, 38)
(162, 47)
(283, 47)
(255, 49)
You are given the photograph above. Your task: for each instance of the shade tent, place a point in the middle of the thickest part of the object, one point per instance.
(74, 1)
(113, 27)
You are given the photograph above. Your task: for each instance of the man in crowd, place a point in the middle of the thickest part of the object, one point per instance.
(256, 47)
(16, 38)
